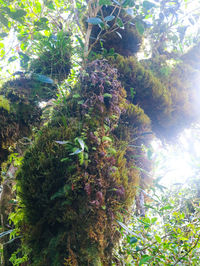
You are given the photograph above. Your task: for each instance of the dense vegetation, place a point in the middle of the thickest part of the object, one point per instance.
(76, 124)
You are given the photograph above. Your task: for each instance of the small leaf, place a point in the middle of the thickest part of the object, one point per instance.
(62, 142)
(94, 21)
(50, 5)
(133, 92)
(80, 41)
(76, 152)
(148, 5)
(144, 259)
(105, 138)
(133, 240)
(42, 78)
(107, 95)
(127, 229)
(120, 23)
(12, 59)
(75, 96)
(109, 18)
(120, 36)
(158, 239)
(17, 14)
(81, 142)
(4, 20)
(65, 159)
(105, 2)
(3, 35)
(168, 207)
(116, 2)
(128, 3)
(140, 27)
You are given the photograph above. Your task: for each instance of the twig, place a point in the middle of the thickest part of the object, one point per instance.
(188, 251)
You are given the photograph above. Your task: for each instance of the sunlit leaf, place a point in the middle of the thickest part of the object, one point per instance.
(94, 21)
(144, 259)
(105, 2)
(3, 35)
(148, 5)
(4, 20)
(105, 138)
(81, 142)
(76, 152)
(133, 240)
(42, 78)
(120, 36)
(116, 2)
(109, 18)
(61, 142)
(107, 95)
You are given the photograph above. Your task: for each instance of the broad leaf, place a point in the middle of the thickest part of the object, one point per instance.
(144, 259)
(4, 20)
(42, 78)
(105, 3)
(140, 27)
(148, 5)
(94, 21)
(109, 18)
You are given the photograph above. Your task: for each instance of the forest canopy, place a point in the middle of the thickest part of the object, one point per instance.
(86, 86)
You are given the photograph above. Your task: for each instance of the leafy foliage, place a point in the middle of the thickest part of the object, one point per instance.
(168, 234)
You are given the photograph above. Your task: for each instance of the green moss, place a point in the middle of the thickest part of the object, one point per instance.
(54, 55)
(4, 103)
(78, 177)
(146, 91)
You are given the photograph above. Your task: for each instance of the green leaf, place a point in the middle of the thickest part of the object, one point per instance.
(128, 3)
(116, 2)
(4, 20)
(109, 18)
(42, 23)
(76, 96)
(148, 5)
(120, 23)
(12, 59)
(62, 142)
(50, 5)
(80, 41)
(16, 15)
(133, 240)
(158, 239)
(105, 138)
(107, 95)
(105, 3)
(168, 207)
(42, 78)
(23, 59)
(3, 35)
(144, 259)
(140, 27)
(133, 92)
(94, 21)
(81, 142)
(77, 151)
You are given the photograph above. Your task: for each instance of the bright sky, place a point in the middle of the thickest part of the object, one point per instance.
(181, 161)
